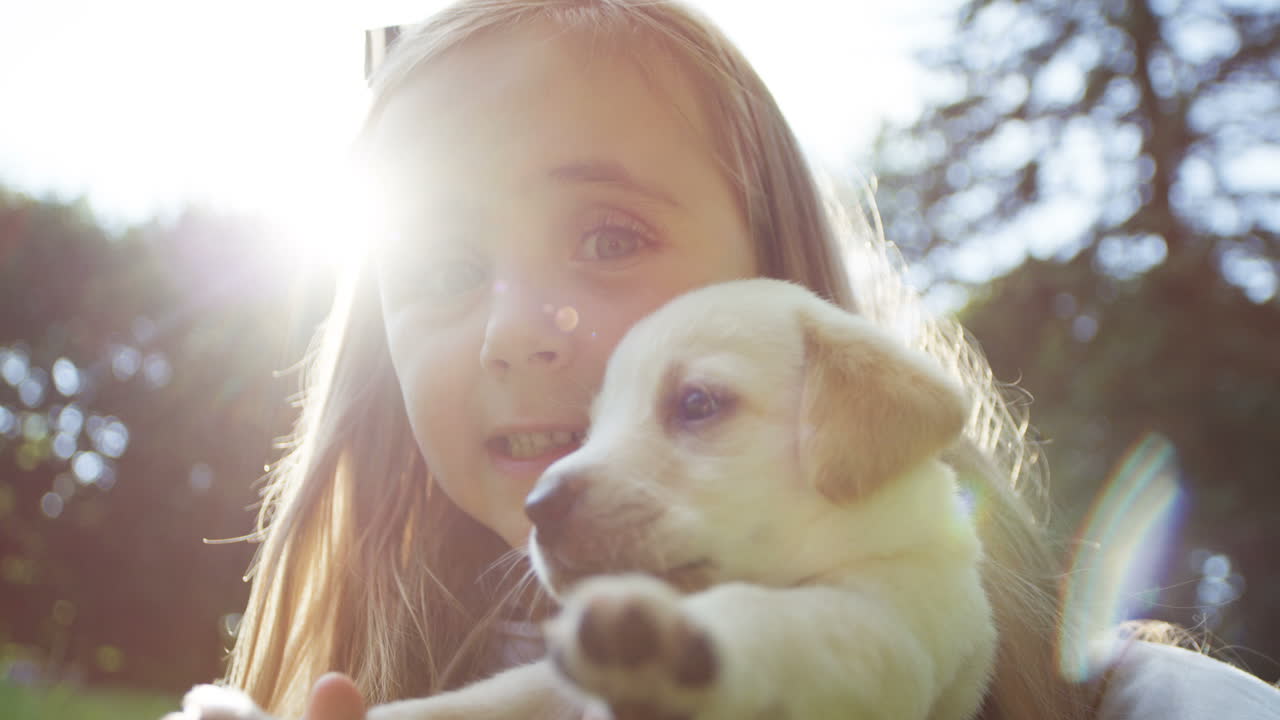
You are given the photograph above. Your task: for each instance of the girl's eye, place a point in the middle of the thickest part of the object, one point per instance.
(697, 403)
(612, 240)
(450, 279)
(417, 271)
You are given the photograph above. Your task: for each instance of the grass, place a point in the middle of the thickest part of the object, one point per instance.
(63, 703)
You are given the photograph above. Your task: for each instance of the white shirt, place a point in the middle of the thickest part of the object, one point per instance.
(1162, 682)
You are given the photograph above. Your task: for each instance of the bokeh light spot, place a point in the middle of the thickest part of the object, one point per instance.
(70, 420)
(66, 377)
(125, 362)
(110, 658)
(8, 422)
(17, 570)
(201, 478)
(28, 456)
(31, 391)
(64, 612)
(64, 485)
(94, 425)
(51, 505)
(157, 370)
(64, 446)
(230, 625)
(107, 479)
(1218, 586)
(144, 329)
(35, 427)
(87, 466)
(1217, 566)
(112, 439)
(13, 367)
(1084, 328)
(566, 319)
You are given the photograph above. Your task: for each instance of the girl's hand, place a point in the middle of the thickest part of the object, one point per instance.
(334, 697)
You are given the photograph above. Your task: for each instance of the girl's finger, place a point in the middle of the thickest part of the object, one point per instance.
(335, 697)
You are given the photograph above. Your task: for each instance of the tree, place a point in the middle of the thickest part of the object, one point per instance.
(1115, 166)
(139, 399)
(1125, 131)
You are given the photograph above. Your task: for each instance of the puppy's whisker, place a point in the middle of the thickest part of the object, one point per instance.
(508, 561)
(521, 590)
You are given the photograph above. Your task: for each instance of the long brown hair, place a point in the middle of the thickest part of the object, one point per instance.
(364, 569)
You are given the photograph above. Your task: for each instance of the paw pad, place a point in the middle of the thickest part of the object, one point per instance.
(696, 663)
(630, 642)
(627, 633)
(618, 633)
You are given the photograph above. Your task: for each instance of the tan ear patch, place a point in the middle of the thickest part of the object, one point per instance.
(871, 409)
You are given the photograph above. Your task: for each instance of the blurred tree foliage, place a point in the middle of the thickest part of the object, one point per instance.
(1115, 164)
(140, 401)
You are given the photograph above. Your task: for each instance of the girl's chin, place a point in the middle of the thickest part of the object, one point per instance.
(517, 534)
(509, 523)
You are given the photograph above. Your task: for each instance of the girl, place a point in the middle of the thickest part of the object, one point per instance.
(549, 171)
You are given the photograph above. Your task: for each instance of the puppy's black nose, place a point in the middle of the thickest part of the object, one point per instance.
(550, 503)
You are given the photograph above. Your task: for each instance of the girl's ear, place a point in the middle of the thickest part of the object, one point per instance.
(871, 409)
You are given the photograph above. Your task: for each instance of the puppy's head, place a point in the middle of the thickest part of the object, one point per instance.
(731, 422)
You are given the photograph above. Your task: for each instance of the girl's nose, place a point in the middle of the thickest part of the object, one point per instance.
(523, 334)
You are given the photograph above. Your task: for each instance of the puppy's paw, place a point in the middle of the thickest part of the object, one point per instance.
(212, 702)
(628, 641)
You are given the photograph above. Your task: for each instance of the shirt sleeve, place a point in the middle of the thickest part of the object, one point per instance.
(1150, 681)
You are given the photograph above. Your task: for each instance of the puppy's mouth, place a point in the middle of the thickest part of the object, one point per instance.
(534, 445)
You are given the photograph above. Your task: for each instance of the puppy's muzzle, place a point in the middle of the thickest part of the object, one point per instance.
(551, 503)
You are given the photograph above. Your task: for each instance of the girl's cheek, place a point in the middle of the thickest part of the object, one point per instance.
(429, 359)
(613, 314)
(602, 321)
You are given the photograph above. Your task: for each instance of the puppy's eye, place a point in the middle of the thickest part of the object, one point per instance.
(697, 403)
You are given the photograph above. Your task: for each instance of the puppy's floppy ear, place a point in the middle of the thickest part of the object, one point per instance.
(870, 409)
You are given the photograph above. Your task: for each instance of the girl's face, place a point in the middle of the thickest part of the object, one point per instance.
(547, 194)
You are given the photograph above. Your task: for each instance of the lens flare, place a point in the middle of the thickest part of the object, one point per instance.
(1122, 551)
(567, 319)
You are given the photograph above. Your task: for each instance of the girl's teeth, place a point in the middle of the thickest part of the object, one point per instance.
(525, 445)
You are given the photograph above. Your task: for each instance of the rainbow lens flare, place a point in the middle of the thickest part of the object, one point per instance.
(1121, 554)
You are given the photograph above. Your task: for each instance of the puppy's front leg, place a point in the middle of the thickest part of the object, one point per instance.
(528, 692)
(743, 651)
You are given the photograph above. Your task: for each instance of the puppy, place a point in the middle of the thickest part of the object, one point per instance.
(757, 526)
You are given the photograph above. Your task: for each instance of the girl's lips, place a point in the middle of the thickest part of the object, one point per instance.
(532, 466)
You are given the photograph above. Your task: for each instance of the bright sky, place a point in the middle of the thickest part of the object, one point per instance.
(248, 104)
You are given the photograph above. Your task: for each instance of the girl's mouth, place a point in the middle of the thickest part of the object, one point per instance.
(535, 445)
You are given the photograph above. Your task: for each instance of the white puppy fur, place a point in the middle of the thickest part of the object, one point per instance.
(758, 526)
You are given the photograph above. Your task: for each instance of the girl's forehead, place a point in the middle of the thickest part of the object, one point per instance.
(534, 69)
(504, 111)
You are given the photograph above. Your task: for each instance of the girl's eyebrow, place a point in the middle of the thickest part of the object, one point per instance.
(611, 173)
